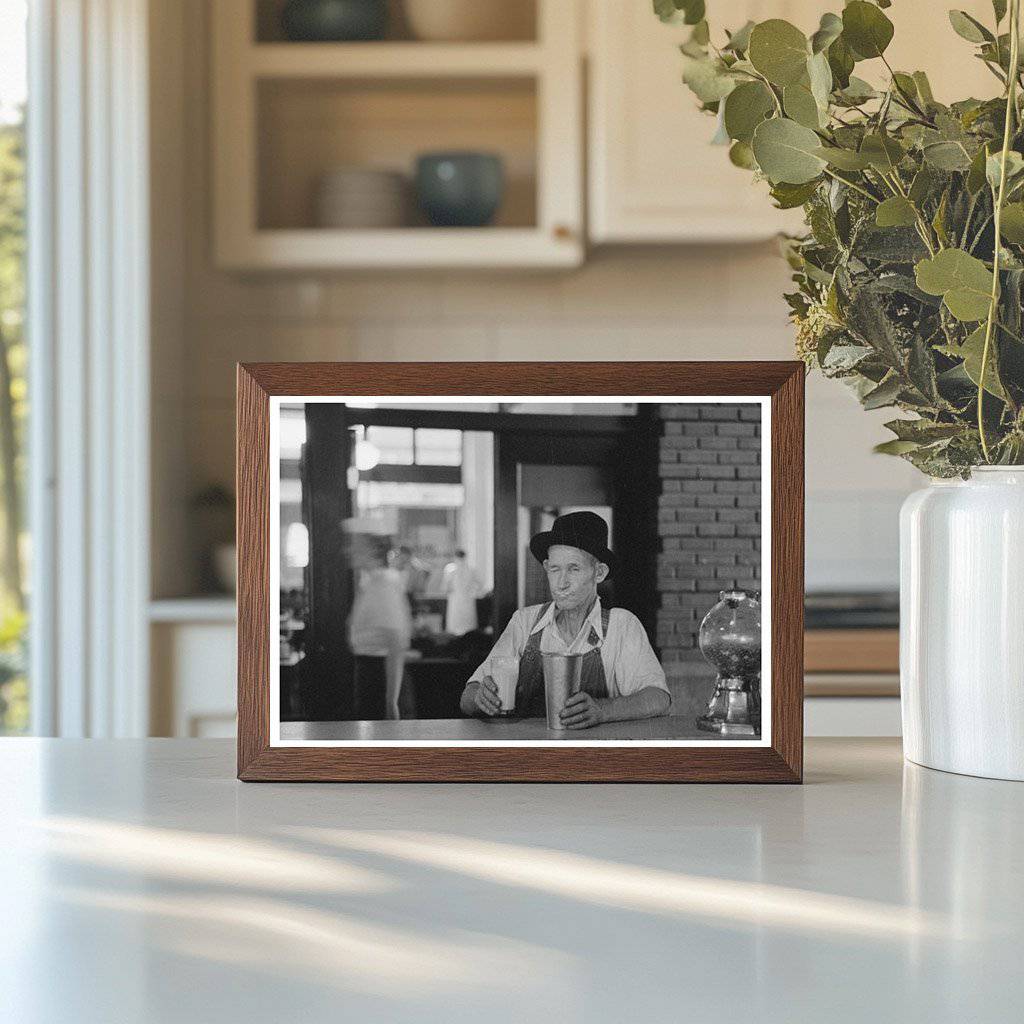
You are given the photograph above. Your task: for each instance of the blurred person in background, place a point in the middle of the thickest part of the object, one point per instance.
(379, 629)
(462, 588)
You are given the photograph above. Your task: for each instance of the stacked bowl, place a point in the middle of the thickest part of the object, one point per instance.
(362, 197)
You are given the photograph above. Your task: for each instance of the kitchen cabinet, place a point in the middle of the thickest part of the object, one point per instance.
(192, 646)
(287, 114)
(653, 175)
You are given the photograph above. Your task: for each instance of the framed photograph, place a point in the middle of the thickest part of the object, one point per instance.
(518, 572)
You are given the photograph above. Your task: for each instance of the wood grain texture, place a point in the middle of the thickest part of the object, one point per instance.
(781, 762)
(252, 479)
(852, 650)
(787, 568)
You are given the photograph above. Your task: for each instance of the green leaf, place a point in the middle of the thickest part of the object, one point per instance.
(841, 63)
(707, 78)
(1011, 226)
(689, 12)
(801, 106)
(924, 88)
(844, 358)
(745, 108)
(857, 91)
(829, 30)
(779, 51)
(819, 75)
(922, 185)
(906, 84)
(882, 151)
(885, 394)
(788, 196)
(999, 8)
(923, 431)
(844, 159)
(867, 317)
(693, 10)
(963, 281)
(741, 155)
(895, 212)
(866, 29)
(666, 10)
(890, 245)
(786, 151)
(947, 156)
(939, 220)
(895, 447)
(993, 166)
(971, 352)
(969, 28)
(739, 41)
(701, 34)
(976, 173)
(921, 369)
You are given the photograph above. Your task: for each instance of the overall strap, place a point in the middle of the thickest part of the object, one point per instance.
(530, 684)
(540, 615)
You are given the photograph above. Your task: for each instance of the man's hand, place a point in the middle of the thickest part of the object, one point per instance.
(487, 701)
(581, 711)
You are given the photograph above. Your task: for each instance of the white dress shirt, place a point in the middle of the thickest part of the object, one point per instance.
(629, 662)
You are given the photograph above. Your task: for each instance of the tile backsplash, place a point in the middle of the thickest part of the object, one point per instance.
(714, 303)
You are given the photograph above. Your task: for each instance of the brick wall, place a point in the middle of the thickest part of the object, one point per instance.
(709, 525)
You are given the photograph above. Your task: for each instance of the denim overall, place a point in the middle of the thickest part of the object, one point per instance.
(530, 685)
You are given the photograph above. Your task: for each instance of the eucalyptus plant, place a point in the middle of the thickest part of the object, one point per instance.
(910, 278)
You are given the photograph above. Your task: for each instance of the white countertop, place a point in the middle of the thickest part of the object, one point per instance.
(140, 882)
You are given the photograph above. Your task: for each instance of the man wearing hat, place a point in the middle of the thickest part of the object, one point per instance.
(621, 678)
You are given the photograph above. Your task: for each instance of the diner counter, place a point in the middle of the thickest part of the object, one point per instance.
(140, 882)
(497, 730)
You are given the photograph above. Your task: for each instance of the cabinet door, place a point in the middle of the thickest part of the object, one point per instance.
(654, 177)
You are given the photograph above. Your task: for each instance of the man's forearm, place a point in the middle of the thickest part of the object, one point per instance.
(650, 702)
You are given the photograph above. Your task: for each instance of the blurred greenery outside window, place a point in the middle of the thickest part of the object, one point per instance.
(14, 689)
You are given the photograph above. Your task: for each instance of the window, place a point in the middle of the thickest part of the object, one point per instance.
(14, 695)
(395, 444)
(438, 447)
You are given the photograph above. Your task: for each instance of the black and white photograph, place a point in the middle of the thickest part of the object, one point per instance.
(519, 571)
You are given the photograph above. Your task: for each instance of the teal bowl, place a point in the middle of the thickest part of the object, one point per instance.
(334, 21)
(462, 190)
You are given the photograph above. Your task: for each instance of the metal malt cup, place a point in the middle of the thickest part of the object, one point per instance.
(562, 674)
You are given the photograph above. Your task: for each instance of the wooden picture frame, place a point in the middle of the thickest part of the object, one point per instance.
(780, 387)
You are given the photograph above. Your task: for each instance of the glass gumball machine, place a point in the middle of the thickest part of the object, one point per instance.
(730, 639)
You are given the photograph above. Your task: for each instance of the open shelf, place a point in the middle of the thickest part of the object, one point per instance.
(520, 24)
(286, 114)
(309, 127)
(387, 60)
(407, 248)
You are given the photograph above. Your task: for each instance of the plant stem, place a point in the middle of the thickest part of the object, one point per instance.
(907, 99)
(853, 185)
(1011, 107)
(775, 98)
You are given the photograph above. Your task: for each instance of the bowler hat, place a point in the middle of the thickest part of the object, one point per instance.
(584, 530)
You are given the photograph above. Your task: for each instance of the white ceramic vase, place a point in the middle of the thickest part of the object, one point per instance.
(962, 624)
